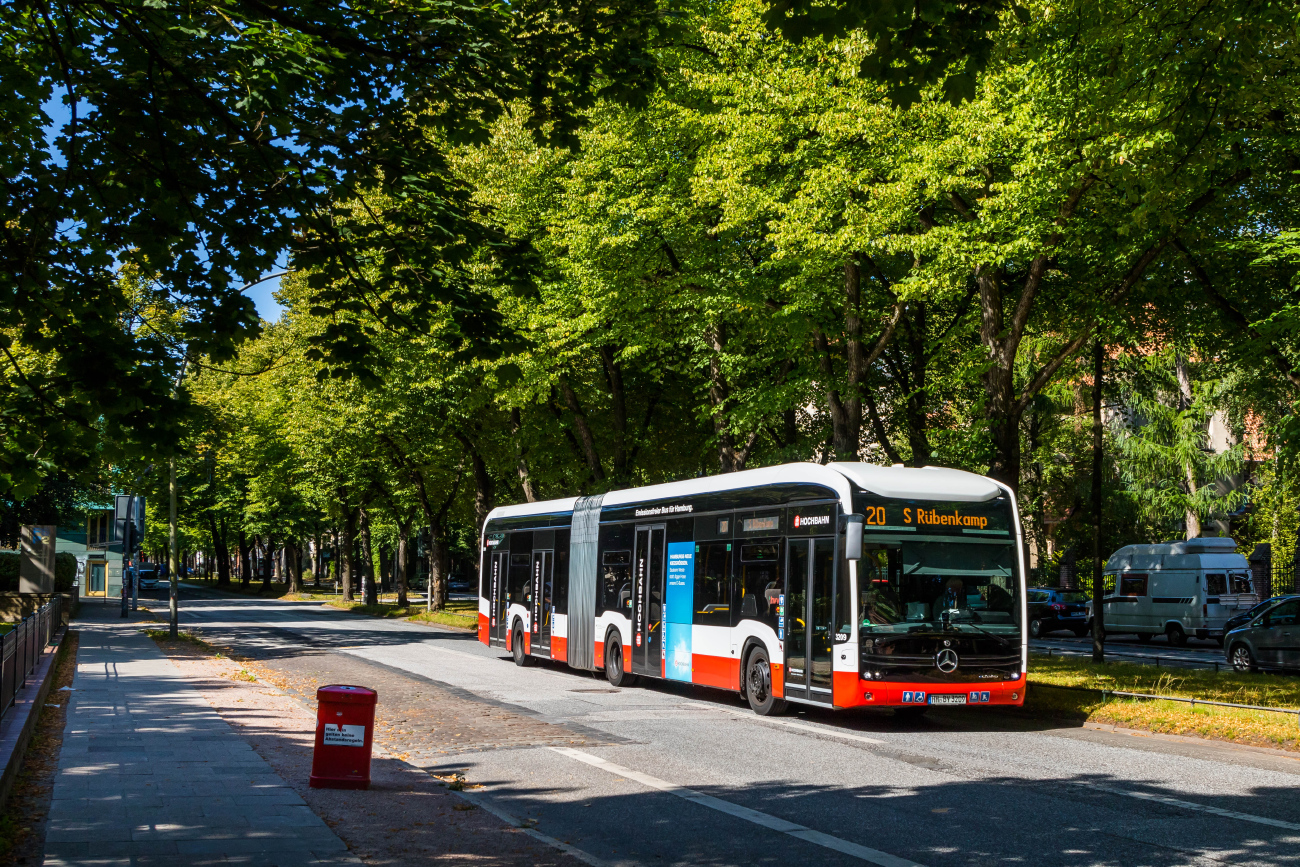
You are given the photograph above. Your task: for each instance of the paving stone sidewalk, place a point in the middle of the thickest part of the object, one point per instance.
(149, 773)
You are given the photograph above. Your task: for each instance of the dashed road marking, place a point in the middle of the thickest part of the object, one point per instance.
(801, 832)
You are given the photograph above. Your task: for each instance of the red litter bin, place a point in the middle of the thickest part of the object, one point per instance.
(345, 725)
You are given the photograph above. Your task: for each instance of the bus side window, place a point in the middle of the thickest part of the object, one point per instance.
(1241, 583)
(713, 584)
(1216, 584)
(615, 564)
(561, 572)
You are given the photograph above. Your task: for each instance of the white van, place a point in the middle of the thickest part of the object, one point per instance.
(1177, 589)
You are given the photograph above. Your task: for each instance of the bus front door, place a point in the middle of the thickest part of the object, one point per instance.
(497, 567)
(647, 617)
(810, 590)
(543, 599)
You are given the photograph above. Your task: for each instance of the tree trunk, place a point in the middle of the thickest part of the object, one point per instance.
(222, 551)
(268, 563)
(521, 456)
(1098, 610)
(370, 591)
(1193, 521)
(400, 562)
(618, 410)
(583, 428)
(245, 561)
(294, 550)
(347, 559)
(915, 409)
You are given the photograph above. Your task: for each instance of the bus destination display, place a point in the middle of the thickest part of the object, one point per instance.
(912, 516)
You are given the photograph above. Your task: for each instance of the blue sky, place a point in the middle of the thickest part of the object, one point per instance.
(262, 295)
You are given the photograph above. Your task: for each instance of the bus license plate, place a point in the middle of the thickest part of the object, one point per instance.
(947, 699)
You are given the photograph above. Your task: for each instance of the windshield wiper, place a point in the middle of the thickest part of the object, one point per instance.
(978, 628)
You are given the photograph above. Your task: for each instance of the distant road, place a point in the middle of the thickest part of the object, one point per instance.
(1197, 654)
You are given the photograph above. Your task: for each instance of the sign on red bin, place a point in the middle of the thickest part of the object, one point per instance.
(345, 726)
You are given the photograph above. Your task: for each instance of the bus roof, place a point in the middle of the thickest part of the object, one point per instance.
(908, 483)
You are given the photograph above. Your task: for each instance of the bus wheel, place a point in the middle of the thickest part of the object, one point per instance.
(517, 647)
(614, 671)
(1177, 637)
(758, 685)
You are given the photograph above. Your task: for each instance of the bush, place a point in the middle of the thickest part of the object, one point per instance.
(9, 570)
(65, 571)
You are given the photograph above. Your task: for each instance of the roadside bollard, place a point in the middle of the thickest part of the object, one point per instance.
(345, 725)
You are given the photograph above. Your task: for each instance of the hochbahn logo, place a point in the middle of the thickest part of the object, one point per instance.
(955, 519)
(811, 520)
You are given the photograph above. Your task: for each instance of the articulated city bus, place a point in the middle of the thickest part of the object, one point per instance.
(844, 585)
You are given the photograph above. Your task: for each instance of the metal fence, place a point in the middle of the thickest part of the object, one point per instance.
(21, 650)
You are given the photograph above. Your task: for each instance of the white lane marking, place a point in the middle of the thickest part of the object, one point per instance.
(832, 733)
(585, 857)
(1200, 808)
(865, 853)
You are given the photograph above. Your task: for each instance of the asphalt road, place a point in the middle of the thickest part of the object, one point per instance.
(694, 778)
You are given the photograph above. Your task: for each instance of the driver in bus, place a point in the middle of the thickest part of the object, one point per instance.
(952, 598)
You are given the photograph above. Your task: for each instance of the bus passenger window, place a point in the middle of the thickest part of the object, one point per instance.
(713, 584)
(616, 581)
(1241, 583)
(1216, 585)
(758, 586)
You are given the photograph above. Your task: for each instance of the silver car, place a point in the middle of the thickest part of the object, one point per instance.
(1270, 641)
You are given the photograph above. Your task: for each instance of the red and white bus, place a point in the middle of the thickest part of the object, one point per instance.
(843, 585)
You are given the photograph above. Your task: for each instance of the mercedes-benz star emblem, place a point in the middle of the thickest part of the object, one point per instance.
(946, 660)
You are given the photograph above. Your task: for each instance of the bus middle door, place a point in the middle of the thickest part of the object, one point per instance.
(543, 598)
(649, 563)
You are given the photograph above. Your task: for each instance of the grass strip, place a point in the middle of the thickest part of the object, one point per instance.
(1083, 701)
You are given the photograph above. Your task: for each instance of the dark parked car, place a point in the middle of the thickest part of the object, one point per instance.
(1239, 620)
(1053, 610)
(1270, 641)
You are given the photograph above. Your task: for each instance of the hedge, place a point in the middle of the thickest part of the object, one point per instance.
(65, 571)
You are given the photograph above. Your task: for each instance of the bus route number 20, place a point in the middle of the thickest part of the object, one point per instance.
(876, 515)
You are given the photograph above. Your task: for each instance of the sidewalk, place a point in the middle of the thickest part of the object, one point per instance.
(151, 774)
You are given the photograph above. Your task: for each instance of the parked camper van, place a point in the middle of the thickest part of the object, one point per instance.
(1177, 589)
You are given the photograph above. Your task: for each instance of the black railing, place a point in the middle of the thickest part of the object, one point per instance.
(21, 649)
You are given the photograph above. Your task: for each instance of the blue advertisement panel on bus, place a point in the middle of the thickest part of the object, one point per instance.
(679, 604)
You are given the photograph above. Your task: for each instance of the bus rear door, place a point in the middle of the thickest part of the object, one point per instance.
(649, 567)
(497, 567)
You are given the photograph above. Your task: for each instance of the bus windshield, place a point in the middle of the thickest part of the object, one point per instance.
(923, 586)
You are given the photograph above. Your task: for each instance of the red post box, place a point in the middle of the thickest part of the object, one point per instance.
(345, 726)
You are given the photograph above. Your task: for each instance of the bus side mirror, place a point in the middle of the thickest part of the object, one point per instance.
(853, 537)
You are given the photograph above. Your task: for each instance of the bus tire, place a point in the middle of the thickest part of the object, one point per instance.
(517, 646)
(1177, 637)
(614, 670)
(758, 685)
